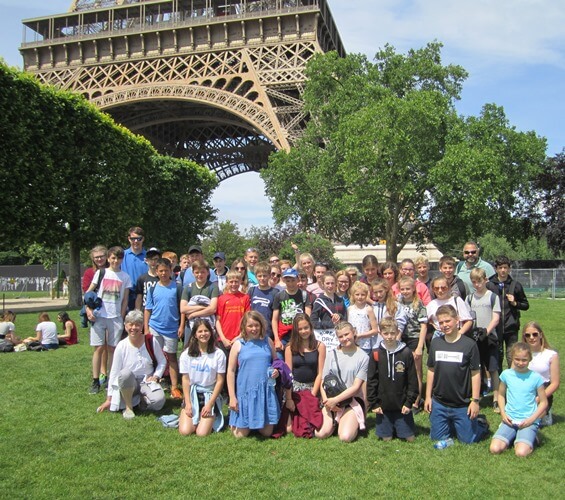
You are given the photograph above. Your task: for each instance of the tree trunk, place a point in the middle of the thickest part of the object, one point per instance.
(75, 290)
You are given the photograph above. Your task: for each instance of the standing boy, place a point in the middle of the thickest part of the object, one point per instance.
(232, 305)
(200, 298)
(251, 257)
(108, 323)
(134, 261)
(220, 270)
(263, 295)
(512, 300)
(453, 384)
(287, 304)
(455, 284)
(162, 319)
(392, 385)
(147, 280)
(485, 309)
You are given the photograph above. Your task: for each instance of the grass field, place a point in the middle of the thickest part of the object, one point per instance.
(54, 445)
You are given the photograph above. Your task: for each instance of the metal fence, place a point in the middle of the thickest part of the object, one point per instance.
(542, 283)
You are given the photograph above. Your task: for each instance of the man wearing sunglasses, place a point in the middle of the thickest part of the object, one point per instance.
(134, 261)
(472, 261)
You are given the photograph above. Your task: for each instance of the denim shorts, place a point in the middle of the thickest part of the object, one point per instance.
(394, 420)
(514, 435)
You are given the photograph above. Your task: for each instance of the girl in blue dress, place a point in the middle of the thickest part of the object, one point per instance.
(252, 400)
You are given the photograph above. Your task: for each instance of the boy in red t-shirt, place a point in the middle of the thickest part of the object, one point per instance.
(232, 305)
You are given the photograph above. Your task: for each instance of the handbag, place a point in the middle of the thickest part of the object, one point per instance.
(334, 385)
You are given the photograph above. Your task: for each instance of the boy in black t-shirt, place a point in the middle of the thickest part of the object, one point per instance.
(454, 383)
(287, 304)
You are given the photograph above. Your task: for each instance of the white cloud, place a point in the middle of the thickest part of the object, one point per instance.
(485, 31)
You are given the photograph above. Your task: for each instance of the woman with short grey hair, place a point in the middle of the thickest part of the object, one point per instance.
(136, 371)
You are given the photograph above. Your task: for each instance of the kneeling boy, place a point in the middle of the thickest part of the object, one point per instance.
(454, 383)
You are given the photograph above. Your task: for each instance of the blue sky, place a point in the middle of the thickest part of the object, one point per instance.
(514, 51)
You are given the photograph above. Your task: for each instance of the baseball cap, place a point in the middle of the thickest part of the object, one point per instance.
(220, 255)
(152, 252)
(195, 248)
(290, 273)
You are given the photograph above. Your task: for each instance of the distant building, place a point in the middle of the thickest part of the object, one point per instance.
(353, 254)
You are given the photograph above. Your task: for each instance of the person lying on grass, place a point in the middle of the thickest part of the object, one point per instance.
(136, 371)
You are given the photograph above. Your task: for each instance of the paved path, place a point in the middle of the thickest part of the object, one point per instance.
(35, 304)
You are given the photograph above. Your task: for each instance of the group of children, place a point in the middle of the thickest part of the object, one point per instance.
(274, 346)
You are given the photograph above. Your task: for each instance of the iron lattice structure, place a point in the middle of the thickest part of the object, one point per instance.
(216, 81)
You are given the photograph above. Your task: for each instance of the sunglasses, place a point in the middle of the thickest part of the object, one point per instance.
(470, 252)
(240, 268)
(275, 275)
(534, 335)
(440, 287)
(136, 238)
(97, 257)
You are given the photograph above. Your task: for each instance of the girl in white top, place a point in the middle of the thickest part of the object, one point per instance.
(45, 333)
(545, 361)
(203, 369)
(442, 291)
(362, 316)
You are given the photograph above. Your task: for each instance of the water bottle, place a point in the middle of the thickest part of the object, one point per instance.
(270, 380)
(444, 443)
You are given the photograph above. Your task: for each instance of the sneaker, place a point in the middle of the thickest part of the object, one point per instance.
(547, 419)
(103, 379)
(95, 387)
(176, 393)
(444, 443)
(495, 407)
(128, 414)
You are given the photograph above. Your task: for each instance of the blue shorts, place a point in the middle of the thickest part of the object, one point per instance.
(393, 421)
(514, 435)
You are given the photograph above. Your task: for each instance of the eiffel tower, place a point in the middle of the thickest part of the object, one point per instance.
(215, 81)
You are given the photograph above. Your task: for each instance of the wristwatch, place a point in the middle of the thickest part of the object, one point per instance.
(474, 400)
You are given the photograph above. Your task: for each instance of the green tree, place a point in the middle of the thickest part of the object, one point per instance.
(80, 178)
(550, 186)
(224, 237)
(385, 155)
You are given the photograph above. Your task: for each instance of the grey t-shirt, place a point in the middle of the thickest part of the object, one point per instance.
(483, 307)
(352, 365)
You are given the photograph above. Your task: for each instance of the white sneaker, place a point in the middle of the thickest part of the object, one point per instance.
(128, 414)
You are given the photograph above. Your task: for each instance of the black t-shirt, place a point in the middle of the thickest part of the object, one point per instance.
(453, 364)
(144, 282)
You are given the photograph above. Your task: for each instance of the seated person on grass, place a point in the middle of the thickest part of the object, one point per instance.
(138, 366)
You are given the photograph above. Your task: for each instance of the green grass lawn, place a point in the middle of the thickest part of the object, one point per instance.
(54, 445)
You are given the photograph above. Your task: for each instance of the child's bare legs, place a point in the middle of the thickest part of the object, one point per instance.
(173, 368)
(498, 446)
(327, 428)
(522, 449)
(348, 426)
(104, 362)
(266, 431)
(205, 426)
(97, 360)
(186, 427)
(240, 432)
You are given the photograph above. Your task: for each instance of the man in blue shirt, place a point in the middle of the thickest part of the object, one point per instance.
(134, 261)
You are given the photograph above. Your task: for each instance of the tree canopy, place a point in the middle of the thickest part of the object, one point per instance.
(71, 175)
(386, 156)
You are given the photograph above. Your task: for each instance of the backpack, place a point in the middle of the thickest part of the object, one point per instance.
(6, 346)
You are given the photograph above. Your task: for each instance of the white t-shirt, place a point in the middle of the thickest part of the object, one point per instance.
(458, 304)
(48, 331)
(540, 363)
(203, 369)
(112, 291)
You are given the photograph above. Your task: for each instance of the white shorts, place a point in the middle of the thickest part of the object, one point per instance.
(168, 344)
(114, 327)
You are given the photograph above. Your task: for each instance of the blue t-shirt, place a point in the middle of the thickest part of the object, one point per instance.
(521, 392)
(262, 302)
(162, 301)
(134, 265)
